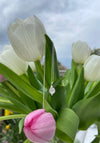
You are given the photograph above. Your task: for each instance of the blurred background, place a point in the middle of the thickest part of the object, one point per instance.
(66, 21)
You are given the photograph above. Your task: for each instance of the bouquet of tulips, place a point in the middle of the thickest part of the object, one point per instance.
(51, 108)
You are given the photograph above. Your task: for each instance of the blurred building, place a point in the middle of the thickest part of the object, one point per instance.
(62, 69)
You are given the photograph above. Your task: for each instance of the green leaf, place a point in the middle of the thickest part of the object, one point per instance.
(98, 126)
(48, 62)
(25, 78)
(7, 88)
(88, 87)
(73, 74)
(48, 108)
(12, 107)
(27, 141)
(39, 71)
(58, 82)
(96, 140)
(70, 76)
(3, 99)
(12, 117)
(78, 90)
(94, 90)
(27, 101)
(21, 124)
(26, 89)
(67, 125)
(33, 80)
(67, 78)
(59, 98)
(20, 84)
(19, 96)
(10, 96)
(88, 111)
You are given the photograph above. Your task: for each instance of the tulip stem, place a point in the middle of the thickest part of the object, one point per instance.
(80, 66)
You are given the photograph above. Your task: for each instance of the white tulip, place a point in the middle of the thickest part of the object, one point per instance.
(92, 68)
(32, 65)
(27, 38)
(9, 58)
(80, 51)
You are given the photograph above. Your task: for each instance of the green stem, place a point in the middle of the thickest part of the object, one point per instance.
(80, 66)
(12, 117)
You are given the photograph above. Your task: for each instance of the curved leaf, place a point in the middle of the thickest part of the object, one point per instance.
(33, 80)
(88, 111)
(48, 61)
(11, 107)
(78, 90)
(58, 99)
(95, 90)
(12, 117)
(20, 84)
(21, 124)
(67, 125)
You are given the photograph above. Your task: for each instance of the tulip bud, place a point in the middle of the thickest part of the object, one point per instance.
(9, 58)
(92, 68)
(27, 38)
(39, 126)
(80, 51)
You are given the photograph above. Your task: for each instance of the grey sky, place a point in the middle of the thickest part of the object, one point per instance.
(66, 21)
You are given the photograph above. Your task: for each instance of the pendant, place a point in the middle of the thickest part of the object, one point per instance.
(52, 90)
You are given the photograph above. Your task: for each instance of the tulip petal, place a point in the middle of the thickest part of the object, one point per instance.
(39, 126)
(45, 120)
(92, 68)
(32, 137)
(18, 21)
(45, 126)
(32, 65)
(31, 117)
(45, 133)
(27, 38)
(80, 51)
(6, 47)
(29, 20)
(11, 60)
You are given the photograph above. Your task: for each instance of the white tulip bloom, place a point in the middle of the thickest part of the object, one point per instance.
(32, 65)
(80, 51)
(27, 38)
(9, 58)
(92, 68)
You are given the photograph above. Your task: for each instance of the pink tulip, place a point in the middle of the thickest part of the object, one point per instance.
(39, 126)
(2, 78)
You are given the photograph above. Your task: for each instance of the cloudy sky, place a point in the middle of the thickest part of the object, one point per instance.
(66, 21)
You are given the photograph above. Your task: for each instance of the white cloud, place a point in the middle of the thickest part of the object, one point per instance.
(66, 21)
